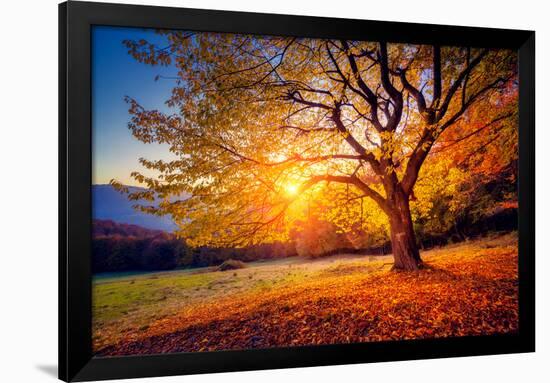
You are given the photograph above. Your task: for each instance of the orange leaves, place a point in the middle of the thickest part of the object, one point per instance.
(465, 290)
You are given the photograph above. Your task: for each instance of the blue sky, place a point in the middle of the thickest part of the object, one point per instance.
(115, 74)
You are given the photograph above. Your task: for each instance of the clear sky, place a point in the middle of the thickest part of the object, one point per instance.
(116, 74)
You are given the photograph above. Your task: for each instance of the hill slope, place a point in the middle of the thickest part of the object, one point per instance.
(109, 204)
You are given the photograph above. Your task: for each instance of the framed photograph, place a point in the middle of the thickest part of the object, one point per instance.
(246, 191)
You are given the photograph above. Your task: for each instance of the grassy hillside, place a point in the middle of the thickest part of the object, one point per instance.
(465, 289)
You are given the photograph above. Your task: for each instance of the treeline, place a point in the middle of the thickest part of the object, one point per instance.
(501, 220)
(319, 238)
(122, 247)
(105, 228)
(119, 253)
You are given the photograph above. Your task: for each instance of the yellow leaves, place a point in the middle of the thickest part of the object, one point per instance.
(385, 135)
(436, 189)
(243, 101)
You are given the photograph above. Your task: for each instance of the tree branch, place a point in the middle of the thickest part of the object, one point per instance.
(359, 149)
(352, 180)
(297, 97)
(368, 94)
(457, 83)
(465, 137)
(415, 161)
(437, 76)
(428, 138)
(470, 101)
(395, 95)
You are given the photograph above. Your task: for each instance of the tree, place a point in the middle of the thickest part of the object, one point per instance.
(261, 126)
(317, 237)
(161, 254)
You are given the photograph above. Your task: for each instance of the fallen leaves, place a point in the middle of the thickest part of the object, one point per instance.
(464, 290)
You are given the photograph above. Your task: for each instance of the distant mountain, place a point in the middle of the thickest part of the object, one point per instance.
(109, 228)
(109, 204)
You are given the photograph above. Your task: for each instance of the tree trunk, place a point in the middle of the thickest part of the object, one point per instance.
(405, 250)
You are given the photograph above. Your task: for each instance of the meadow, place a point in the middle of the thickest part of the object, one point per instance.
(469, 288)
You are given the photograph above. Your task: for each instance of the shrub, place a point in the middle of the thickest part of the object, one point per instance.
(231, 264)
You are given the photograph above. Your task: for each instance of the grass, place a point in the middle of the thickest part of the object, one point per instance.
(466, 289)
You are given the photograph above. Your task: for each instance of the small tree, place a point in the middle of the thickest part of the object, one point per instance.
(315, 237)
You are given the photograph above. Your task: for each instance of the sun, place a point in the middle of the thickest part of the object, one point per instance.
(291, 189)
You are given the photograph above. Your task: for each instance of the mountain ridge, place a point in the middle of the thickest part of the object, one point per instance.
(110, 204)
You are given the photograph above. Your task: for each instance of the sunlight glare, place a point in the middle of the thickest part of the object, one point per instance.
(291, 189)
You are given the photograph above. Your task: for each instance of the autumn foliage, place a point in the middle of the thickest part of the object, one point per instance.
(323, 164)
(464, 290)
(267, 131)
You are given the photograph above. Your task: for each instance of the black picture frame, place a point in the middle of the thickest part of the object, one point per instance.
(76, 362)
